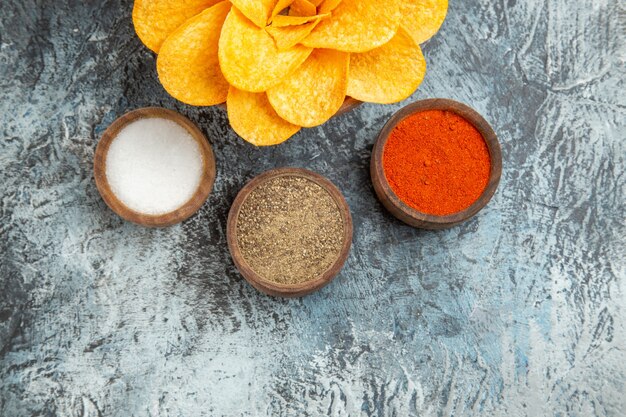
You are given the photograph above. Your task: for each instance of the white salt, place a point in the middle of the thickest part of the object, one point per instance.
(154, 166)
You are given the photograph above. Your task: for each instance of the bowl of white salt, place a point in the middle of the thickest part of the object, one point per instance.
(154, 167)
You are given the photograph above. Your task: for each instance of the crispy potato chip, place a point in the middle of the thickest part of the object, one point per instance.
(389, 73)
(280, 6)
(154, 20)
(288, 36)
(249, 58)
(252, 117)
(302, 8)
(188, 64)
(282, 21)
(313, 94)
(357, 26)
(328, 5)
(258, 11)
(316, 2)
(423, 18)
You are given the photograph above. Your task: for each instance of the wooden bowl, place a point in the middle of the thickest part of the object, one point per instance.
(408, 214)
(160, 220)
(271, 287)
(348, 105)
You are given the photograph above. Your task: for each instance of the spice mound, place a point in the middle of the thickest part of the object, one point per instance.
(437, 162)
(154, 166)
(289, 230)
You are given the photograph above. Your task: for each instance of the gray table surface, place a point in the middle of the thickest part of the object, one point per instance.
(519, 312)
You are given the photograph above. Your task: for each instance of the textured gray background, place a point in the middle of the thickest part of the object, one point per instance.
(519, 312)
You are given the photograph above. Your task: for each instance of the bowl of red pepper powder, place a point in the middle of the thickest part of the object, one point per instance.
(436, 163)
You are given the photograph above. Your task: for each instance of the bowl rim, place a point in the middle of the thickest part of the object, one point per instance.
(154, 220)
(410, 215)
(271, 287)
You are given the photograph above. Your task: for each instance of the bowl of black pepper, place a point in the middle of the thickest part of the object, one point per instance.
(289, 232)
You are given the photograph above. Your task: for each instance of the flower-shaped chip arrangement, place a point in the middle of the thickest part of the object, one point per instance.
(280, 65)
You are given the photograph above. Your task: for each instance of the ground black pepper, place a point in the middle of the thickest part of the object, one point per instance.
(289, 230)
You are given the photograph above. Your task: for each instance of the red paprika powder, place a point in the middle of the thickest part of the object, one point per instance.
(436, 162)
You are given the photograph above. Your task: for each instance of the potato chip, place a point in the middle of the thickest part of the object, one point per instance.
(154, 20)
(280, 6)
(249, 58)
(328, 5)
(389, 73)
(288, 36)
(316, 2)
(313, 94)
(357, 26)
(252, 117)
(302, 8)
(423, 18)
(282, 21)
(258, 11)
(188, 64)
